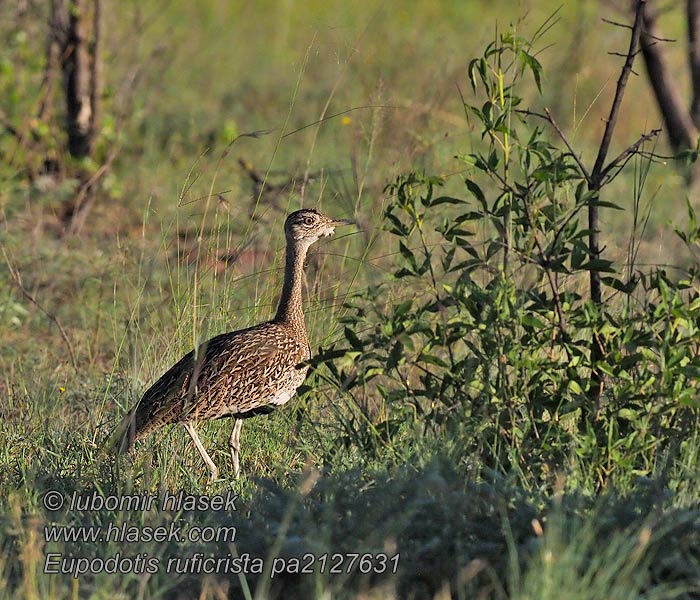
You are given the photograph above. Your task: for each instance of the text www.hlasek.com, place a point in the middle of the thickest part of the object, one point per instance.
(244, 564)
(129, 533)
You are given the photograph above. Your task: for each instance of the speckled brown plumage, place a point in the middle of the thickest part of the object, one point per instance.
(242, 373)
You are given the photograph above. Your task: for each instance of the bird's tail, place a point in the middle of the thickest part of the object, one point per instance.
(124, 436)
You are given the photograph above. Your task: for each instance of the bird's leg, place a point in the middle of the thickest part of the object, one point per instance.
(235, 445)
(202, 450)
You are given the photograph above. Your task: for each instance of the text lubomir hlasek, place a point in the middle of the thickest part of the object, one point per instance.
(175, 502)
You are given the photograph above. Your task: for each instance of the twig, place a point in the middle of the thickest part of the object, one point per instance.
(550, 119)
(623, 55)
(629, 151)
(624, 25)
(658, 38)
(616, 23)
(17, 280)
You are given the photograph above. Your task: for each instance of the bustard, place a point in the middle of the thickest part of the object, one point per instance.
(242, 373)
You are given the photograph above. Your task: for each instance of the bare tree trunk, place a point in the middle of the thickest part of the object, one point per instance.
(77, 76)
(679, 125)
(71, 50)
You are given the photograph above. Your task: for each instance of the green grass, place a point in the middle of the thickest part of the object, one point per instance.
(144, 282)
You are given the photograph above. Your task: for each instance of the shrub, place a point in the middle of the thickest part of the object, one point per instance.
(495, 344)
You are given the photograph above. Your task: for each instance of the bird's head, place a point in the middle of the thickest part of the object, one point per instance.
(308, 225)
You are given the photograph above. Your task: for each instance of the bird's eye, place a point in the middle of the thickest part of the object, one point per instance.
(308, 221)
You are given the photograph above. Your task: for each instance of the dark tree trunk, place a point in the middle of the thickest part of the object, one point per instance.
(80, 63)
(77, 80)
(681, 122)
(682, 131)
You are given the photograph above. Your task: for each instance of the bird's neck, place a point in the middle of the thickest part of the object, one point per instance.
(290, 310)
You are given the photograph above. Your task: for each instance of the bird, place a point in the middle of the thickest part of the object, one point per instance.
(239, 374)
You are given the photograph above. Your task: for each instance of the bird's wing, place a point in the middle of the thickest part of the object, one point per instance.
(243, 370)
(240, 366)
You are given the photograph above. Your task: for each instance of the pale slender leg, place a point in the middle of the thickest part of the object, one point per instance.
(205, 456)
(235, 445)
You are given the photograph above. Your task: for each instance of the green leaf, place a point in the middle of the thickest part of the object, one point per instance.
(476, 192)
(353, 339)
(433, 360)
(574, 387)
(579, 253)
(396, 356)
(601, 265)
(535, 68)
(493, 160)
(530, 320)
(604, 204)
(619, 285)
(446, 200)
(407, 254)
(470, 159)
(628, 414)
(403, 308)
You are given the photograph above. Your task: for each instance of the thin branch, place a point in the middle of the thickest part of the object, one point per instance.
(616, 23)
(629, 151)
(657, 38)
(619, 91)
(17, 280)
(624, 55)
(550, 119)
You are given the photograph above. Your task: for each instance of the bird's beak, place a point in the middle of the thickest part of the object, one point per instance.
(339, 222)
(333, 223)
